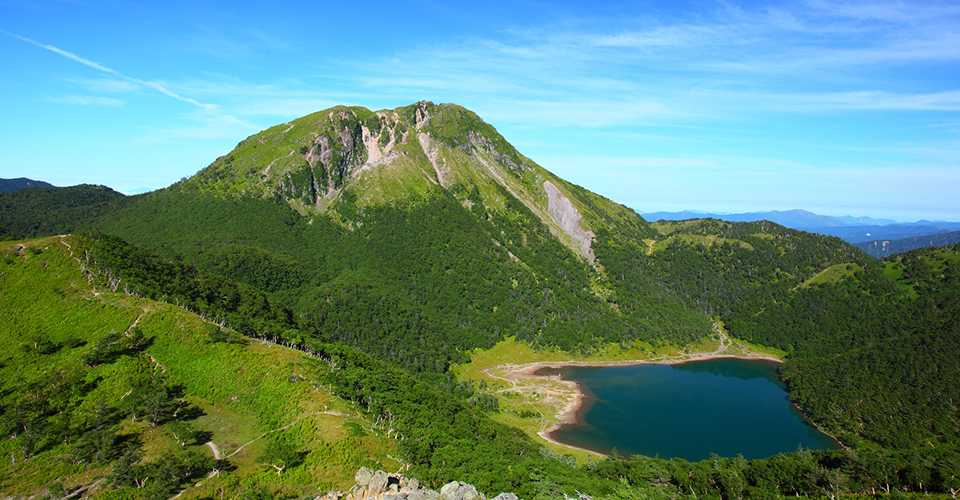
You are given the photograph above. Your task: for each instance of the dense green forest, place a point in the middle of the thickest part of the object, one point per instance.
(412, 273)
(42, 211)
(892, 377)
(437, 434)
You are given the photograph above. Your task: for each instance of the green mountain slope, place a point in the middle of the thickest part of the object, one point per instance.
(128, 413)
(110, 395)
(418, 234)
(103, 392)
(42, 211)
(342, 160)
(416, 227)
(889, 374)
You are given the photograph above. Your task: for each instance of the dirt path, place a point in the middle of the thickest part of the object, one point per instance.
(261, 436)
(215, 449)
(83, 268)
(218, 453)
(267, 170)
(69, 248)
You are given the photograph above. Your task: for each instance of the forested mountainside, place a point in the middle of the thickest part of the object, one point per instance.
(449, 241)
(892, 376)
(40, 211)
(110, 394)
(416, 235)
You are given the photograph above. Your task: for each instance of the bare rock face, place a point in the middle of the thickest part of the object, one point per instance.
(568, 217)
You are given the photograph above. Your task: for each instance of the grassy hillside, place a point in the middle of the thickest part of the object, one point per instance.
(101, 390)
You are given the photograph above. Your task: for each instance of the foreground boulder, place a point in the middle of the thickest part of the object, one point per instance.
(380, 485)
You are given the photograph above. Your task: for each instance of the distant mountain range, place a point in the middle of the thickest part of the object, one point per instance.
(20, 183)
(795, 219)
(855, 230)
(883, 248)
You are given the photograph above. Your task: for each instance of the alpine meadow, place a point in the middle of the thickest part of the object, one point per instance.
(327, 296)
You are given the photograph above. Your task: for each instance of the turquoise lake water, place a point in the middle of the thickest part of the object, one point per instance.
(725, 406)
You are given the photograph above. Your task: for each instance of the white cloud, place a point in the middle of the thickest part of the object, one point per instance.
(158, 86)
(87, 100)
(234, 44)
(106, 84)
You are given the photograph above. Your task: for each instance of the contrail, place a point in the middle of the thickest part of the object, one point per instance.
(158, 86)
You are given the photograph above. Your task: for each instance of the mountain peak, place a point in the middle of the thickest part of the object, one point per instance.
(342, 160)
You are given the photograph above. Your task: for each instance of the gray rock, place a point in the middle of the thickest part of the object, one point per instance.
(448, 489)
(506, 496)
(455, 490)
(413, 484)
(363, 477)
(378, 483)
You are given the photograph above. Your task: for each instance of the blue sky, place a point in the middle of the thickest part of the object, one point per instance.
(840, 108)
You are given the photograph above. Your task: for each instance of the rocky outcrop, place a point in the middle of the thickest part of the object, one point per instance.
(568, 217)
(380, 485)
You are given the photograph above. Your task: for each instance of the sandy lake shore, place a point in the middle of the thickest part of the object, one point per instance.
(573, 394)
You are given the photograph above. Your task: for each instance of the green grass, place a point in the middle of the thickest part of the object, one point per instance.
(693, 239)
(247, 393)
(832, 274)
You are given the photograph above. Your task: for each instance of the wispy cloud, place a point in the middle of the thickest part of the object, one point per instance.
(155, 85)
(105, 84)
(86, 100)
(723, 63)
(233, 44)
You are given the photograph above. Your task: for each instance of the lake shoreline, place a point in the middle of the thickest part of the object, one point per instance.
(572, 413)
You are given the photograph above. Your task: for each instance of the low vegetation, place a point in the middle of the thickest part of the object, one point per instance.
(105, 392)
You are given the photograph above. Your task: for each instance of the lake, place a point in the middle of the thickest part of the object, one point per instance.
(725, 406)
